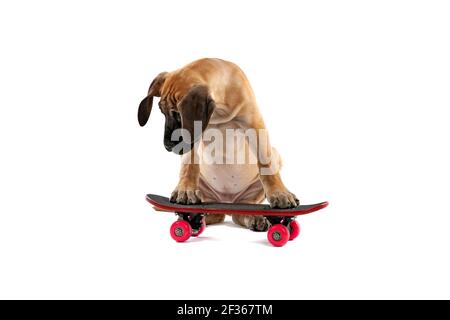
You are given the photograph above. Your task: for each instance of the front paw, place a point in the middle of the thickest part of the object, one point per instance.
(185, 196)
(282, 199)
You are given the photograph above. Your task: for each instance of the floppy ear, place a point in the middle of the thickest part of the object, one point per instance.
(197, 105)
(145, 107)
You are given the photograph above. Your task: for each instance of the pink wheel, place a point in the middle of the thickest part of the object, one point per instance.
(278, 235)
(294, 228)
(180, 231)
(202, 228)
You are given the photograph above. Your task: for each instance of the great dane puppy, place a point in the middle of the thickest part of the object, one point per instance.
(213, 97)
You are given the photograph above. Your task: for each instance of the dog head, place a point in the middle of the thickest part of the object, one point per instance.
(187, 110)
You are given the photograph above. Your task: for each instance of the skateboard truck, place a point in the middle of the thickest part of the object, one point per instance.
(195, 220)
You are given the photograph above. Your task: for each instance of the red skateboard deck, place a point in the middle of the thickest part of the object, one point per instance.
(191, 217)
(164, 204)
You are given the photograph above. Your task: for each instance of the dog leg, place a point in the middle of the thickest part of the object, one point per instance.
(269, 164)
(277, 194)
(214, 218)
(187, 191)
(254, 223)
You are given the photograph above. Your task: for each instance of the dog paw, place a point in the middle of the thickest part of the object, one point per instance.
(258, 224)
(185, 196)
(282, 199)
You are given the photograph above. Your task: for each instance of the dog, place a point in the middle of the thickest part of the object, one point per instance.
(216, 95)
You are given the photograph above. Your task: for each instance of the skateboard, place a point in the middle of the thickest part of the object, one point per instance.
(191, 217)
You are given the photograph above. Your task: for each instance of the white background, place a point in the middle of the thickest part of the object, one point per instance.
(355, 95)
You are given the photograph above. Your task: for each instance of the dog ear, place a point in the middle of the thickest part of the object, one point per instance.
(197, 105)
(145, 107)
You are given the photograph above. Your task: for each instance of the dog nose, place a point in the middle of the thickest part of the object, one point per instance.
(169, 145)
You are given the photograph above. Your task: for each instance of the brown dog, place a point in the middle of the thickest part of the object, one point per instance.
(217, 95)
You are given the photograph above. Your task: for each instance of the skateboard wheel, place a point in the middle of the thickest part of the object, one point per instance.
(202, 228)
(278, 235)
(180, 231)
(294, 228)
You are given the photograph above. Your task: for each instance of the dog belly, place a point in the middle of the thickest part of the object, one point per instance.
(231, 183)
(228, 174)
